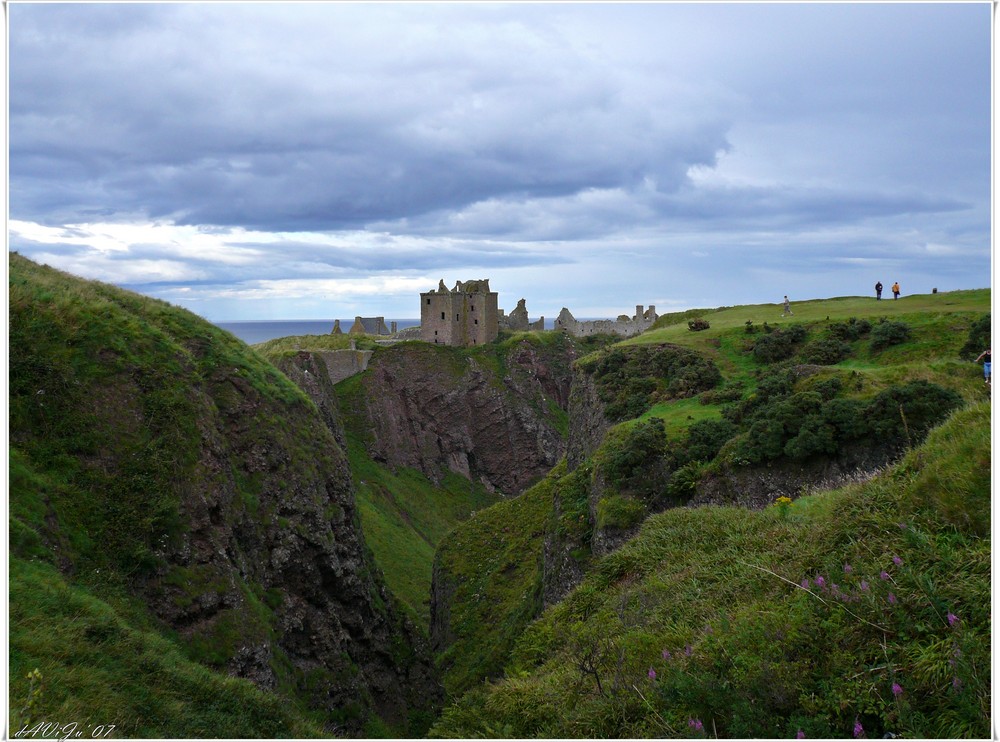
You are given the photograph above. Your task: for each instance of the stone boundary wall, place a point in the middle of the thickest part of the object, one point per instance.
(342, 364)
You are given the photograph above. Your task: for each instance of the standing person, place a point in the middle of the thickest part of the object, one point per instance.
(878, 291)
(788, 307)
(895, 290)
(985, 355)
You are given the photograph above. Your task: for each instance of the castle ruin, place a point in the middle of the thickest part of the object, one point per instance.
(624, 325)
(465, 315)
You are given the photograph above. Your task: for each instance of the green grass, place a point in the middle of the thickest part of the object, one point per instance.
(940, 325)
(404, 516)
(710, 601)
(492, 563)
(97, 668)
(679, 414)
(294, 343)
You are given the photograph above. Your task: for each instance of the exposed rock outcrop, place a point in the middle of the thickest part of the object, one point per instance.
(759, 486)
(588, 422)
(211, 486)
(492, 419)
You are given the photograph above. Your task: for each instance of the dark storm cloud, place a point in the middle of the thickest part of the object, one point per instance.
(267, 132)
(635, 147)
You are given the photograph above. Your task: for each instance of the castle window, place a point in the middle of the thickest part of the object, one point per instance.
(442, 315)
(456, 318)
(476, 321)
(428, 301)
(472, 309)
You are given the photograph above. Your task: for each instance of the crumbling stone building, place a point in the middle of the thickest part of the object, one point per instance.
(465, 315)
(624, 325)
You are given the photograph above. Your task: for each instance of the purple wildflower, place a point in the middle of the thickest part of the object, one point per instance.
(666, 654)
(897, 690)
(859, 731)
(952, 619)
(848, 569)
(688, 651)
(820, 582)
(696, 724)
(883, 575)
(864, 586)
(805, 584)
(652, 674)
(897, 561)
(800, 734)
(892, 598)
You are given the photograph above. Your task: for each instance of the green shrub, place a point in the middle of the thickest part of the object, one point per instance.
(727, 393)
(778, 345)
(889, 332)
(979, 339)
(616, 511)
(825, 351)
(631, 453)
(909, 411)
(851, 330)
(629, 379)
(683, 483)
(703, 441)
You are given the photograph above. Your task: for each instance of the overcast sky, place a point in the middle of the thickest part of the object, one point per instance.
(296, 161)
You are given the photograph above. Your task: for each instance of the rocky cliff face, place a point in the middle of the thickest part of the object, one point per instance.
(492, 416)
(200, 480)
(758, 487)
(588, 422)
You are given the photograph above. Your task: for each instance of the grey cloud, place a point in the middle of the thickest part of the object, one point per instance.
(191, 135)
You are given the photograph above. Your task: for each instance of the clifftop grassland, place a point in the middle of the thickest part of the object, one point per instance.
(672, 577)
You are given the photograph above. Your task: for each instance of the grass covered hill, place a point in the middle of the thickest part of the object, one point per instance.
(825, 400)
(185, 552)
(858, 611)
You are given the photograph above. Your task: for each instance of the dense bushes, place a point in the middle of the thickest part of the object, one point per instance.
(826, 351)
(889, 332)
(979, 338)
(802, 424)
(778, 345)
(630, 379)
(630, 455)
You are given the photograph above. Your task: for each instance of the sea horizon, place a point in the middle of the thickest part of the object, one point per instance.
(252, 331)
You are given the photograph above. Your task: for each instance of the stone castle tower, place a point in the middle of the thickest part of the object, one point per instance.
(465, 315)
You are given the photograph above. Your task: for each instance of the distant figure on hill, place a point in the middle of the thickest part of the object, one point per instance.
(986, 358)
(878, 291)
(788, 308)
(895, 290)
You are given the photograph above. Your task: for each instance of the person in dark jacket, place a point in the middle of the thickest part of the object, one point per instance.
(878, 291)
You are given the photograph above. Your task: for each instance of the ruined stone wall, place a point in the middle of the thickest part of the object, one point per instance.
(342, 364)
(625, 326)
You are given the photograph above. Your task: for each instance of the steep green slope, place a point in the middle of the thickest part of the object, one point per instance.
(174, 476)
(404, 515)
(487, 585)
(785, 416)
(858, 611)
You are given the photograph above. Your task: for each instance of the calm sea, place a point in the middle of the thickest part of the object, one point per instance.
(257, 331)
